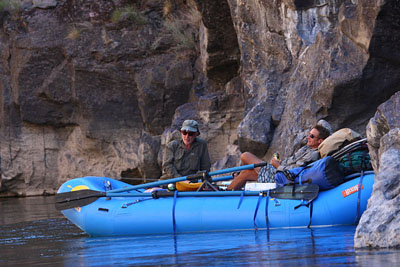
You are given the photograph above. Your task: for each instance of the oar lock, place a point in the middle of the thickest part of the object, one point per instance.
(200, 175)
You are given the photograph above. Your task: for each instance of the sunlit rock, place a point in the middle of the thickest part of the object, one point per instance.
(380, 224)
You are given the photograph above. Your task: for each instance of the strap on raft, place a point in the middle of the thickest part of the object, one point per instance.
(240, 200)
(308, 204)
(173, 212)
(359, 198)
(260, 196)
(266, 211)
(305, 193)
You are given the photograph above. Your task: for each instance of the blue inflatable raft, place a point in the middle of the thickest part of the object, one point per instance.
(136, 213)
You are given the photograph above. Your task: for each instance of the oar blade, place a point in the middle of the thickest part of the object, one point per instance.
(79, 198)
(306, 192)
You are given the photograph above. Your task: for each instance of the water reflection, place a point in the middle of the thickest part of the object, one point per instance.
(32, 232)
(378, 257)
(290, 246)
(24, 209)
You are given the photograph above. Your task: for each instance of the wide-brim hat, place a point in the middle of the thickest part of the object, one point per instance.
(190, 125)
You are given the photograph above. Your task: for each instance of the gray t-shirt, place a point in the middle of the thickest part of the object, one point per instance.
(177, 161)
(302, 157)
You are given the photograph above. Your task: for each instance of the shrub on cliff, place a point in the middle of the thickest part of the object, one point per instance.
(128, 13)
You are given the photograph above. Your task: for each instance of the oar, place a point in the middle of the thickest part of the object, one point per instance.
(81, 197)
(305, 192)
(179, 179)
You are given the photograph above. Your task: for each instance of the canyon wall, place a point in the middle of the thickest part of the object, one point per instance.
(99, 87)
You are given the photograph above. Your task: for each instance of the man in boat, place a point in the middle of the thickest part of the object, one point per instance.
(305, 155)
(186, 156)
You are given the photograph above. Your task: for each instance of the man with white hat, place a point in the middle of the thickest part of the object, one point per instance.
(186, 156)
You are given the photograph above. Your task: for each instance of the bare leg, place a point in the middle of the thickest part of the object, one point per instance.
(242, 178)
(249, 158)
(246, 175)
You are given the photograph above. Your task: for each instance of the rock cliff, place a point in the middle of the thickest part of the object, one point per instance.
(380, 224)
(99, 87)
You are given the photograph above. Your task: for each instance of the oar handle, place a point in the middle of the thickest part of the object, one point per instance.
(261, 164)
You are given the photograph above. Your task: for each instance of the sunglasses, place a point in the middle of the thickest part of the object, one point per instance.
(188, 133)
(312, 136)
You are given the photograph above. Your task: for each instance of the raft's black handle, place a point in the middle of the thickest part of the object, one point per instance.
(262, 164)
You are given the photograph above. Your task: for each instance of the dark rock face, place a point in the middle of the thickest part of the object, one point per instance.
(381, 69)
(163, 88)
(218, 41)
(380, 222)
(88, 87)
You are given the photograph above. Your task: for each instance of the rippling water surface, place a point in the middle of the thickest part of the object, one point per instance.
(33, 233)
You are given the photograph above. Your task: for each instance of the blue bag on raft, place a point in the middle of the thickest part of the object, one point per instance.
(325, 172)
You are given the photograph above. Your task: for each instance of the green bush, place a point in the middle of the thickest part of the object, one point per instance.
(128, 13)
(10, 5)
(184, 28)
(74, 33)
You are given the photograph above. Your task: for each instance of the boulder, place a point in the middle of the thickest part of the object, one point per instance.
(380, 223)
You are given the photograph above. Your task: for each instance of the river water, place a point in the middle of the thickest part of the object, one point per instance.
(33, 233)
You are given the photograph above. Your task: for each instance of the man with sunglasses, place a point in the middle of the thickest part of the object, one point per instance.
(186, 156)
(305, 155)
